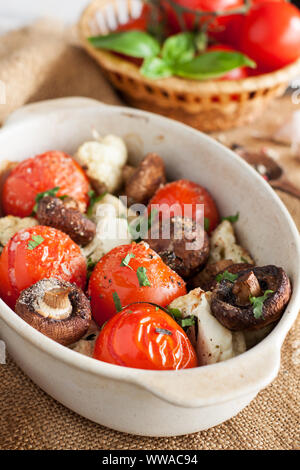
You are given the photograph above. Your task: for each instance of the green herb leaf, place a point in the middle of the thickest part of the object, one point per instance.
(142, 277)
(201, 41)
(175, 313)
(93, 200)
(35, 241)
(155, 67)
(258, 303)
(125, 261)
(187, 322)
(138, 229)
(179, 48)
(39, 196)
(244, 260)
(90, 266)
(212, 65)
(132, 43)
(232, 218)
(163, 331)
(117, 302)
(227, 276)
(206, 224)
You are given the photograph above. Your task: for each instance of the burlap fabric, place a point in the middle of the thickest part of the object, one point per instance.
(40, 63)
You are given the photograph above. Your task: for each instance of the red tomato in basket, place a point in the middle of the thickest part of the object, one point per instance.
(144, 337)
(135, 24)
(39, 174)
(203, 5)
(36, 253)
(183, 195)
(271, 35)
(113, 285)
(235, 74)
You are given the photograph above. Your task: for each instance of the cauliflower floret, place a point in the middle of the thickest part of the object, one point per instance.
(213, 343)
(112, 228)
(10, 225)
(108, 204)
(103, 161)
(223, 245)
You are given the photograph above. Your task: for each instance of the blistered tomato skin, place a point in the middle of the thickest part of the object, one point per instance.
(110, 277)
(39, 174)
(143, 336)
(180, 193)
(56, 256)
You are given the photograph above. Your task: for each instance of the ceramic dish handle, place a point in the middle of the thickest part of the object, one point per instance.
(44, 107)
(229, 380)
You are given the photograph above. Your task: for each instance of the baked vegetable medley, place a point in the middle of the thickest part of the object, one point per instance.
(122, 265)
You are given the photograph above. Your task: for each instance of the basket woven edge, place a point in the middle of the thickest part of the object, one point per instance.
(119, 65)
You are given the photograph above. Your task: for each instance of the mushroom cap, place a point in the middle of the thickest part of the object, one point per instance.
(65, 331)
(238, 318)
(206, 279)
(184, 249)
(142, 184)
(53, 212)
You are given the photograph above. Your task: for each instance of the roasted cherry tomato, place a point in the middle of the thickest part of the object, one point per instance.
(36, 253)
(145, 337)
(39, 174)
(271, 35)
(235, 74)
(180, 193)
(131, 273)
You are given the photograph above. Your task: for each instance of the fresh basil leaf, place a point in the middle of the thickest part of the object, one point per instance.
(232, 218)
(155, 67)
(36, 241)
(125, 261)
(179, 48)
(163, 331)
(227, 276)
(142, 277)
(212, 64)
(132, 43)
(201, 41)
(39, 196)
(117, 302)
(258, 303)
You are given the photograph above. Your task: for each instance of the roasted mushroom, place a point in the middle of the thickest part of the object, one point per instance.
(146, 179)
(58, 309)
(206, 279)
(53, 212)
(254, 299)
(185, 247)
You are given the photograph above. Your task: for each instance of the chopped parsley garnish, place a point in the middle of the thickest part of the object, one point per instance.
(184, 322)
(187, 322)
(206, 224)
(258, 303)
(117, 302)
(90, 266)
(232, 218)
(125, 261)
(39, 196)
(227, 276)
(35, 241)
(93, 199)
(163, 331)
(244, 260)
(142, 277)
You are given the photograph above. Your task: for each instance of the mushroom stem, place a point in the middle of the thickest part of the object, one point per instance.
(246, 286)
(57, 298)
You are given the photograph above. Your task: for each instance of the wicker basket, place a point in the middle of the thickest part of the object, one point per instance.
(206, 105)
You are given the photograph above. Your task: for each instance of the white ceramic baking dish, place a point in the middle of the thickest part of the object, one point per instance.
(156, 403)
